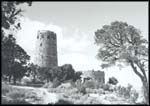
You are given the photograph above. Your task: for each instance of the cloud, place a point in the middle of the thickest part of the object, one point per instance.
(75, 44)
(26, 37)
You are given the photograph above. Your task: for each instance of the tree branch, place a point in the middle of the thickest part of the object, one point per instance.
(113, 44)
(136, 72)
(142, 69)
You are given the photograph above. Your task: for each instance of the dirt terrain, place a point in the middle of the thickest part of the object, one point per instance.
(44, 96)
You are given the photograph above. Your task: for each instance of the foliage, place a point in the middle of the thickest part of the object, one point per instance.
(5, 89)
(48, 85)
(25, 80)
(13, 101)
(14, 58)
(113, 81)
(11, 14)
(77, 76)
(80, 86)
(120, 42)
(61, 101)
(33, 71)
(44, 74)
(128, 93)
(64, 73)
(82, 89)
(56, 83)
(91, 84)
(106, 87)
(12, 96)
(16, 94)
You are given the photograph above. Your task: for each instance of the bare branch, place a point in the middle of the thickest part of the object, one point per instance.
(142, 69)
(135, 70)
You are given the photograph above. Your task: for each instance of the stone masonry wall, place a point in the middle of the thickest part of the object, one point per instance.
(46, 49)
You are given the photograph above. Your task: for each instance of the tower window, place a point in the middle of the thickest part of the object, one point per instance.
(37, 37)
(48, 37)
(54, 37)
(42, 36)
(41, 44)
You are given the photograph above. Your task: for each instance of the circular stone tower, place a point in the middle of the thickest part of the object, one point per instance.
(46, 49)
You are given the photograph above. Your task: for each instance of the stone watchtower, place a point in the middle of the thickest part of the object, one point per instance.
(46, 49)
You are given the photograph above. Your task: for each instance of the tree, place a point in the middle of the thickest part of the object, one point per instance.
(11, 14)
(14, 59)
(12, 54)
(64, 73)
(33, 71)
(44, 74)
(77, 76)
(120, 42)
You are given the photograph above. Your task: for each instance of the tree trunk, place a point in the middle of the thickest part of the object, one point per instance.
(14, 81)
(144, 81)
(9, 78)
(146, 92)
(34, 79)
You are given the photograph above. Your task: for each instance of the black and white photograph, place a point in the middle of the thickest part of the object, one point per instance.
(74, 52)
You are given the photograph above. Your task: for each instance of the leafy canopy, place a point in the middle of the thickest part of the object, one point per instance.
(120, 42)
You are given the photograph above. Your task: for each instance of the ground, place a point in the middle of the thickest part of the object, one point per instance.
(11, 94)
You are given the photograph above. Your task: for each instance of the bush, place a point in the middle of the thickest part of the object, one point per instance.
(13, 95)
(56, 83)
(113, 81)
(64, 73)
(16, 94)
(61, 101)
(128, 93)
(91, 84)
(134, 96)
(26, 80)
(48, 85)
(65, 86)
(13, 101)
(5, 89)
(96, 91)
(82, 90)
(106, 87)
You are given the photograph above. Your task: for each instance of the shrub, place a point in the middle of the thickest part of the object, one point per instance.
(80, 86)
(91, 84)
(113, 81)
(65, 86)
(128, 93)
(56, 83)
(48, 85)
(61, 101)
(82, 90)
(26, 80)
(64, 73)
(13, 101)
(134, 96)
(106, 87)
(5, 89)
(16, 94)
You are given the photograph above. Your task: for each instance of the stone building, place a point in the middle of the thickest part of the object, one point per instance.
(46, 49)
(98, 76)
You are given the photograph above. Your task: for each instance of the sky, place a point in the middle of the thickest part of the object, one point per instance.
(75, 24)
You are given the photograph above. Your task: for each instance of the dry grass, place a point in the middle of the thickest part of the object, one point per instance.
(11, 95)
